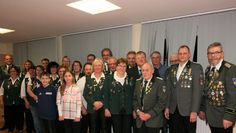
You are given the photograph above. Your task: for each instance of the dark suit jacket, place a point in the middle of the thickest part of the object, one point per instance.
(133, 73)
(186, 92)
(154, 101)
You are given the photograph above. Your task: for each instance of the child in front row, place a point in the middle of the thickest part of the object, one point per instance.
(46, 104)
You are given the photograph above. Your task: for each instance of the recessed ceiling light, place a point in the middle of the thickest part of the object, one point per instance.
(4, 31)
(94, 6)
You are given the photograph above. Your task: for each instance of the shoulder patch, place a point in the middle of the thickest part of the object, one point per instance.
(227, 65)
(159, 78)
(139, 78)
(234, 81)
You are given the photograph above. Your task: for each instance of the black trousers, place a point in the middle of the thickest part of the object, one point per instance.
(48, 126)
(98, 122)
(108, 124)
(145, 129)
(29, 121)
(59, 126)
(15, 116)
(122, 123)
(165, 127)
(221, 130)
(134, 127)
(181, 124)
(85, 124)
(71, 126)
(5, 118)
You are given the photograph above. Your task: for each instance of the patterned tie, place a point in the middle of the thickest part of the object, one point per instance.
(211, 76)
(143, 91)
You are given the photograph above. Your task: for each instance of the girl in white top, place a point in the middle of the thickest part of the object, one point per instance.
(69, 103)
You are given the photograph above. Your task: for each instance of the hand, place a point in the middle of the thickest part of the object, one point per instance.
(134, 115)
(146, 117)
(141, 115)
(167, 113)
(227, 124)
(97, 105)
(84, 111)
(27, 105)
(35, 98)
(61, 118)
(77, 119)
(107, 113)
(202, 115)
(193, 117)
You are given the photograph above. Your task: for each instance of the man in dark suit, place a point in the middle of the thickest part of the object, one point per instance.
(131, 59)
(220, 91)
(149, 101)
(135, 73)
(185, 82)
(106, 53)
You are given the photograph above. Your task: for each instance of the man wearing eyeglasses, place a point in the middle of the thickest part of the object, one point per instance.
(219, 104)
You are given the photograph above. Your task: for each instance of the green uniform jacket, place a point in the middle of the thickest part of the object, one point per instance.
(220, 95)
(120, 97)
(11, 94)
(154, 101)
(94, 91)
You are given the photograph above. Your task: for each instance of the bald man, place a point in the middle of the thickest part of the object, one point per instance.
(149, 101)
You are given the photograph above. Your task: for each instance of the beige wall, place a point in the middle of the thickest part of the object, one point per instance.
(6, 48)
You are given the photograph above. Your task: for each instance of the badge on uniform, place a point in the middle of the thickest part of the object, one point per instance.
(164, 89)
(234, 81)
(48, 93)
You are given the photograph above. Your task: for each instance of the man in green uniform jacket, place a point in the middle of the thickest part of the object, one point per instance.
(219, 103)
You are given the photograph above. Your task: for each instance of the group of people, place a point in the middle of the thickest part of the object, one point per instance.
(121, 95)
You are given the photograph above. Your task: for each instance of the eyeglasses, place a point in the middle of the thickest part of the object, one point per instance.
(214, 53)
(124, 66)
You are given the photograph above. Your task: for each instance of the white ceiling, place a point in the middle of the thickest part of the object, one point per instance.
(34, 19)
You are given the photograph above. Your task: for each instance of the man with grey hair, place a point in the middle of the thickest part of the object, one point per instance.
(219, 103)
(112, 64)
(150, 97)
(156, 62)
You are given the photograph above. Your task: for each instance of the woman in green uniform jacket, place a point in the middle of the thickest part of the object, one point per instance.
(119, 99)
(10, 96)
(94, 93)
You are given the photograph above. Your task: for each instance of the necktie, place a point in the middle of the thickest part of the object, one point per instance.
(213, 69)
(143, 91)
(211, 75)
(140, 72)
(8, 68)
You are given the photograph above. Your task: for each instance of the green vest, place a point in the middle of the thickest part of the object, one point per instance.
(94, 91)
(120, 97)
(11, 94)
(35, 84)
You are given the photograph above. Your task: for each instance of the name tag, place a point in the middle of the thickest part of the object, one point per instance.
(48, 93)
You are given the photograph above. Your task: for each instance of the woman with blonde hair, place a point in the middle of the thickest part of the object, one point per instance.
(94, 93)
